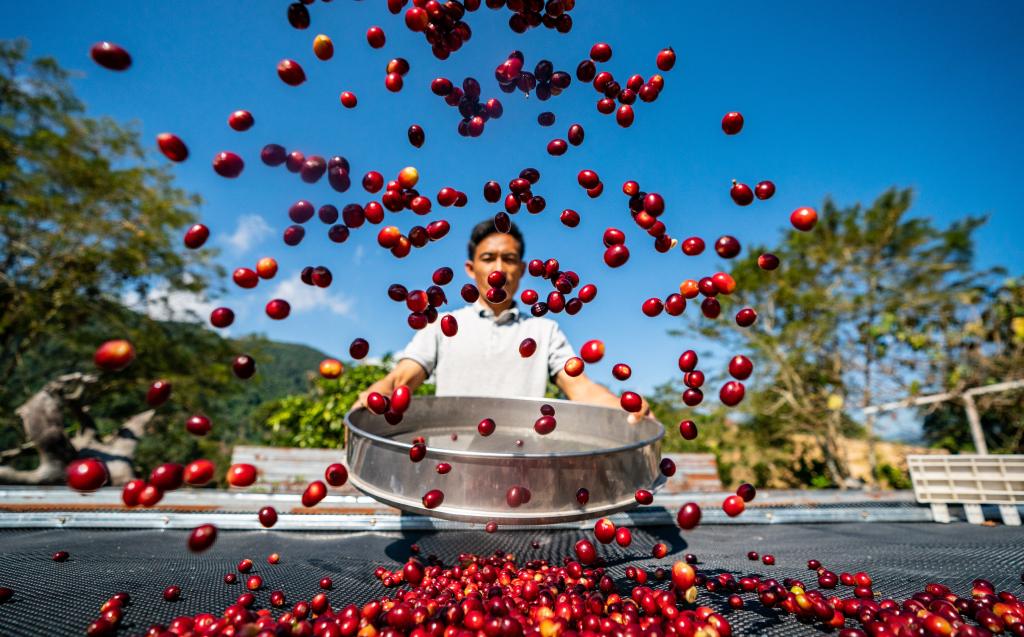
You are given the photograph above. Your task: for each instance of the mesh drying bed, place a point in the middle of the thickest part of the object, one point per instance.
(62, 598)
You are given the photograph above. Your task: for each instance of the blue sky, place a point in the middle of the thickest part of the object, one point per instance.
(840, 99)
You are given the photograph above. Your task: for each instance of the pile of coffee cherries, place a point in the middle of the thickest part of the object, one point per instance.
(498, 595)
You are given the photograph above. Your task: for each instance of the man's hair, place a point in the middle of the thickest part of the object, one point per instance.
(485, 229)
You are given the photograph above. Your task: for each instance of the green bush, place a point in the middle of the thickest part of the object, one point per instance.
(317, 419)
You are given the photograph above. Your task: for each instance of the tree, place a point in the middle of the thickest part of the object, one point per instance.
(84, 221)
(860, 310)
(990, 349)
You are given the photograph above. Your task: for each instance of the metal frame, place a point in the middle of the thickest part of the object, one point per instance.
(21, 507)
(973, 419)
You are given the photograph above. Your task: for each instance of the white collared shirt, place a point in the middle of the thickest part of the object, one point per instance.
(483, 359)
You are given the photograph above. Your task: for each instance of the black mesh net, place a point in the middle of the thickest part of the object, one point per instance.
(62, 598)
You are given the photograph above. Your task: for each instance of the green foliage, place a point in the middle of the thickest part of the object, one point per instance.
(83, 221)
(317, 419)
(197, 362)
(893, 477)
(990, 349)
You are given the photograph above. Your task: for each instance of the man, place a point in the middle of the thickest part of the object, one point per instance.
(483, 358)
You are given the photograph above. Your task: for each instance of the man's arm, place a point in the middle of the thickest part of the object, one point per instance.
(407, 372)
(584, 390)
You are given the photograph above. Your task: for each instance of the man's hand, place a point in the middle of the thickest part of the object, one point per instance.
(645, 412)
(407, 372)
(383, 386)
(582, 389)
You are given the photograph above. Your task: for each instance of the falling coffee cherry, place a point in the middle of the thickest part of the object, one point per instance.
(348, 99)
(159, 393)
(110, 56)
(764, 190)
(245, 278)
(585, 552)
(624, 116)
(196, 236)
(114, 356)
(267, 517)
(222, 317)
(740, 367)
(804, 219)
(228, 164)
(666, 59)
(416, 136)
(278, 309)
(687, 518)
(688, 430)
(273, 155)
(198, 425)
(336, 474)
(198, 472)
(323, 48)
(375, 37)
(732, 123)
(359, 348)
(746, 491)
(298, 15)
(727, 246)
(733, 505)
(331, 368)
(592, 351)
(433, 498)
(172, 147)
(731, 393)
(544, 425)
(202, 538)
(746, 317)
(601, 52)
(241, 120)
(314, 493)
(291, 72)
(244, 367)
(741, 193)
(87, 474)
(768, 261)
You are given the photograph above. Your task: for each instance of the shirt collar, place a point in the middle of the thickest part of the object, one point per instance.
(508, 316)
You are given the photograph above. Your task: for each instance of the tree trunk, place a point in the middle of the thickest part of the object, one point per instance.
(43, 422)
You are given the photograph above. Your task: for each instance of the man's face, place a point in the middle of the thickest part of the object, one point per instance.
(497, 251)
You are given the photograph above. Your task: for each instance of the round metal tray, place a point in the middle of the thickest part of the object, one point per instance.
(593, 447)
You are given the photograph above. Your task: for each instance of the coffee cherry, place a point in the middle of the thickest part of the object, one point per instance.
(731, 393)
(746, 491)
(804, 219)
(740, 367)
(733, 505)
(741, 193)
(732, 123)
(688, 429)
(767, 261)
(631, 402)
(687, 518)
(764, 190)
